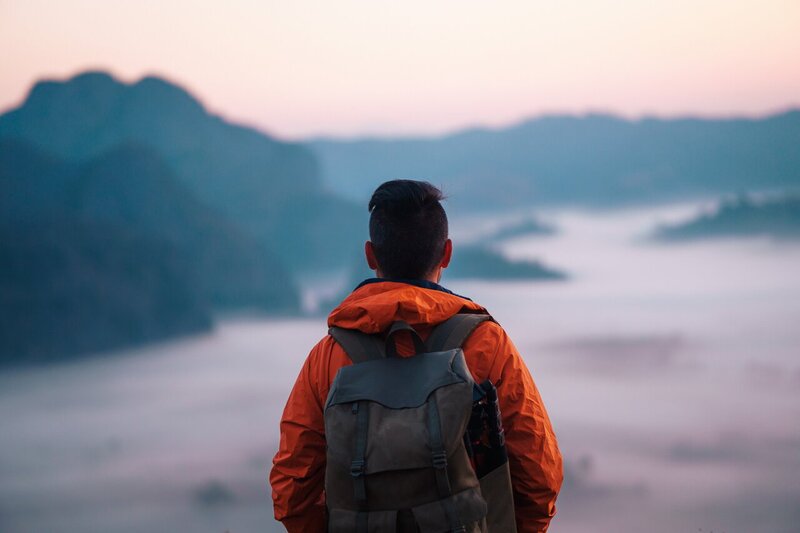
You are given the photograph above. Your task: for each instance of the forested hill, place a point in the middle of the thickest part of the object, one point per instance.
(130, 214)
(592, 160)
(114, 251)
(776, 216)
(269, 188)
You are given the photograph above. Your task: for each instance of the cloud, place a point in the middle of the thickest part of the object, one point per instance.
(581, 484)
(621, 353)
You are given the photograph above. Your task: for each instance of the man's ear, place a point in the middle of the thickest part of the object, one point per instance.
(448, 253)
(369, 251)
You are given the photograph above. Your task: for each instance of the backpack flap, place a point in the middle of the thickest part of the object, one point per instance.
(396, 397)
(395, 391)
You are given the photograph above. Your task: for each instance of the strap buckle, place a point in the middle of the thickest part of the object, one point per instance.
(357, 468)
(440, 460)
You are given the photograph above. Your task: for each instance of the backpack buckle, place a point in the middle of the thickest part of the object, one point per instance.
(440, 460)
(357, 468)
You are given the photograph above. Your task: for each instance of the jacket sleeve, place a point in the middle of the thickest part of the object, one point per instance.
(298, 470)
(534, 458)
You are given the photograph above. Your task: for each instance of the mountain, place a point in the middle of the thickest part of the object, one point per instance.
(131, 187)
(32, 183)
(593, 160)
(115, 251)
(70, 287)
(775, 216)
(247, 176)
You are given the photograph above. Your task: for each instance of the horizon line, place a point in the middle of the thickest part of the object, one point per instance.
(409, 134)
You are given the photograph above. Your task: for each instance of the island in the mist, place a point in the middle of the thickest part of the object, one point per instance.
(743, 216)
(527, 227)
(478, 262)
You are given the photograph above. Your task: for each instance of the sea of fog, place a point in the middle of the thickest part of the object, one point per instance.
(671, 374)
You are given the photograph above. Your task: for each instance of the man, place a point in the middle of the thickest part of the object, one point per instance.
(408, 249)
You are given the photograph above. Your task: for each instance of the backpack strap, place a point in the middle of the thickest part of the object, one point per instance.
(448, 335)
(439, 463)
(402, 325)
(358, 346)
(452, 333)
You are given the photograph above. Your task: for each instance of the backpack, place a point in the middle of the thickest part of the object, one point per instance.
(401, 436)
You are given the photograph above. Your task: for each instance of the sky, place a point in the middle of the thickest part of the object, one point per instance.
(346, 68)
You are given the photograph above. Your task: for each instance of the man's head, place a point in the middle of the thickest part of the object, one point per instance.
(408, 231)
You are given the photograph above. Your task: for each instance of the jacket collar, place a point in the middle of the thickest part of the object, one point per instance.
(424, 283)
(377, 302)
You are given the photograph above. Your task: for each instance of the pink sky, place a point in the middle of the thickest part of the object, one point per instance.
(343, 67)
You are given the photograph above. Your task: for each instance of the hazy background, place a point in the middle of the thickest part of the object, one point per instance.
(302, 69)
(183, 190)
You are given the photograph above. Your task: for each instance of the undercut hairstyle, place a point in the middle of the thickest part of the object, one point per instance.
(408, 228)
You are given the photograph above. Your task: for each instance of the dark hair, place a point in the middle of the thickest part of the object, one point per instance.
(407, 227)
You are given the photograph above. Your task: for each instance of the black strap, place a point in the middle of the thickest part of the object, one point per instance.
(358, 346)
(358, 466)
(439, 460)
(452, 333)
(402, 325)
(362, 522)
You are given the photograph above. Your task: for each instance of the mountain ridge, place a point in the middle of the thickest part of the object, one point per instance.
(593, 160)
(478, 128)
(131, 187)
(241, 172)
(113, 252)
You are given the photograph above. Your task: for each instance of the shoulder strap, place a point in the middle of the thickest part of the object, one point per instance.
(358, 346)
(452, 333)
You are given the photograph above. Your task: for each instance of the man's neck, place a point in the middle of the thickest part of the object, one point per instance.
(433, 277)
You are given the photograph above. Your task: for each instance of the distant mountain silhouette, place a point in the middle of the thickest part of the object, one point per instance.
(595, 160)
(249, 177)
(527, 227)
(131, 186)
(775, 216)
(477, 262)
(117, 223)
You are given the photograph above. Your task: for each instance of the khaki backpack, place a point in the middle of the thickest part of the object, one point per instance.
(402, 433)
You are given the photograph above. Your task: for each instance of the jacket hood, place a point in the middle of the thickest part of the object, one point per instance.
(376, 303)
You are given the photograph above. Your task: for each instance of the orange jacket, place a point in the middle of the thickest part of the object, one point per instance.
(298, 471)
